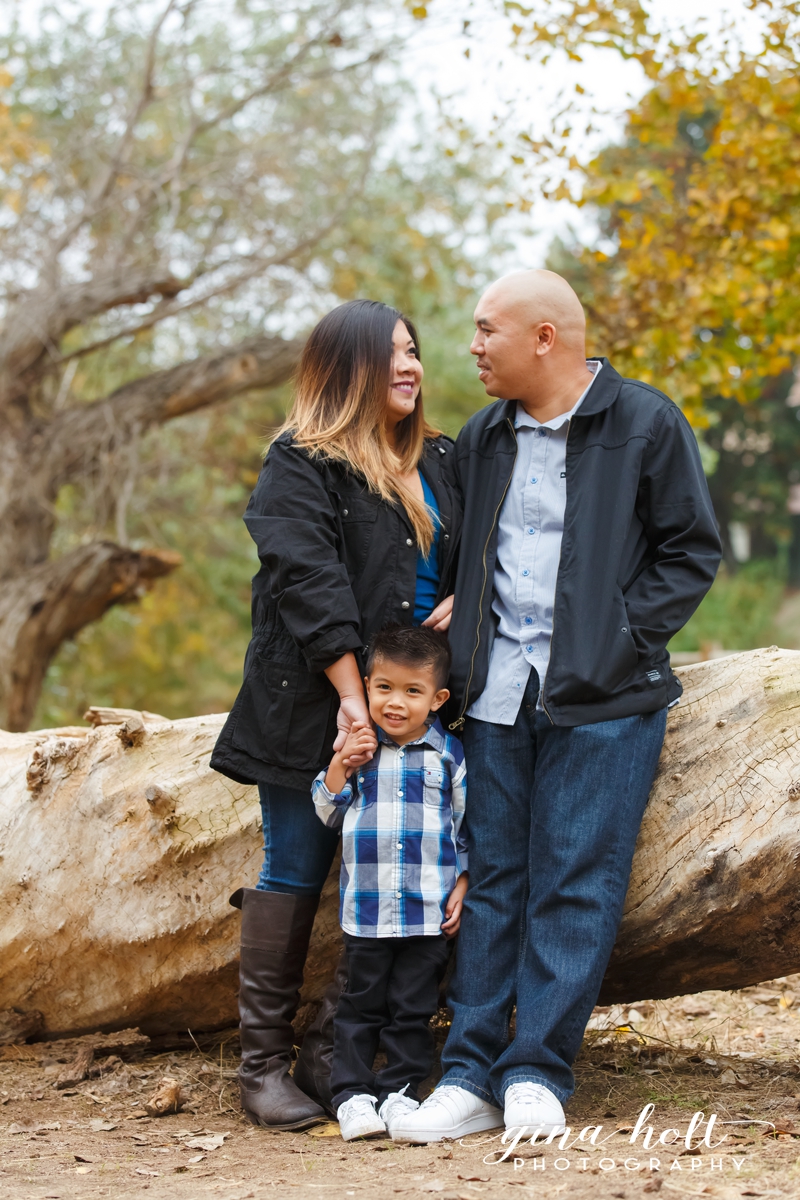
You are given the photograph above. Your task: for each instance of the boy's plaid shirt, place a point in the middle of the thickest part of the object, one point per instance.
(402, 845)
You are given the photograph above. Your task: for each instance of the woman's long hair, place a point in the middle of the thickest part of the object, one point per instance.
(339, 408)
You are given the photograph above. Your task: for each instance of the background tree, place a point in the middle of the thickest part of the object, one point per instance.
(196, 192)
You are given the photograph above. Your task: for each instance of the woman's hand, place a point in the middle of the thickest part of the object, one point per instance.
(354, 715)
(344, 676)
(454, 905)
(440, 617)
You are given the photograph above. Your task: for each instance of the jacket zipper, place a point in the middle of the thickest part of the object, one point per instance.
(459, 722)
(555, 597)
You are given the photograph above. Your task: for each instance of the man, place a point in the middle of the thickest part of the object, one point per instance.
(588, 541)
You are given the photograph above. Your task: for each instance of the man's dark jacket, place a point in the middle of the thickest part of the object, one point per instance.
(640, 550)
(337, 564)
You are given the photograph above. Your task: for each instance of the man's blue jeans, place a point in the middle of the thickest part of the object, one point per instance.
(553, 816)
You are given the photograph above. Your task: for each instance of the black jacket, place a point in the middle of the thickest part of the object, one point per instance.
(640, 550)
(337, 564)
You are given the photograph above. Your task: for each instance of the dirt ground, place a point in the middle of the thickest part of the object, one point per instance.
(733, 1056)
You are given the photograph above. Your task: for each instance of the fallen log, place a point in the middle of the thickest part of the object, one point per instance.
(119, 855)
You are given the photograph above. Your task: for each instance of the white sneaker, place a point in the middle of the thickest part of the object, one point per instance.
(449, 1112)
(396, 1106)
(533, 1106)
(357, 1118)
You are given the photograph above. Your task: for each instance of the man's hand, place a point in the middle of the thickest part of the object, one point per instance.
(454, 905)
(440, 617)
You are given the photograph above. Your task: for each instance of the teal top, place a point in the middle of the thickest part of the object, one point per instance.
(428, 568)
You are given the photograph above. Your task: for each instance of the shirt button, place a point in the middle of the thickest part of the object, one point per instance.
(409, 542)
(533, 479)
(398, 894)
(401, 754)
(399, 845)
(399, 791)
(526, 572)
(542, 433)
(531, 530)
(361, 779)
(529, 620)
(405, 604)
(529, 649)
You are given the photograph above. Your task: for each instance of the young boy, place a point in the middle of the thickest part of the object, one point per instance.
(403, 877)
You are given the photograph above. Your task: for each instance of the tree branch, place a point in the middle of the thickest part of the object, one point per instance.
(76, 437)
(44, 606)
(40, 319)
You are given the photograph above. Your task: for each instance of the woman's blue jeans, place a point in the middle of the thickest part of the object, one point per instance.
(298, 848)
(553, 815)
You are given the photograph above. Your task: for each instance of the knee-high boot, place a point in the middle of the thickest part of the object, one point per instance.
(312, 1071)
(276, 928)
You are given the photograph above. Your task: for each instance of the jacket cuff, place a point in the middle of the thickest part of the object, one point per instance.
(329, 647)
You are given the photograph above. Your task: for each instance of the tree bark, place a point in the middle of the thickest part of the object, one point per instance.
(120, 855)
(49, 603)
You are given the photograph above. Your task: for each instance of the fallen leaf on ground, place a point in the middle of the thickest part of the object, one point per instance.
(144, 1171)
(33, 1127)
(98, 1125)
(329, 1129)
(196, 1158)
(80, 1158)
(212, 1142)
(167, 1098)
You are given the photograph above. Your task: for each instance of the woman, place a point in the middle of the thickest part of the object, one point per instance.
(356, 524)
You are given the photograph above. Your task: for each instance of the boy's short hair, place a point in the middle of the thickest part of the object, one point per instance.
(414, 646)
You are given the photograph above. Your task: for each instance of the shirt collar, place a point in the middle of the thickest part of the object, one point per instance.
(523, 419)
(434, 737)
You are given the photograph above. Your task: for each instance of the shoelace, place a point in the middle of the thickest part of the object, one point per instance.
(524, 1091)
(362, 1106)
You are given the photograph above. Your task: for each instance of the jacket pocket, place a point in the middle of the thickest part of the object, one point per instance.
(358, 517)
(284, 715)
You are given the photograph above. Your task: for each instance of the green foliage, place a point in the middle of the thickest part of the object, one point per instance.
(739, 611)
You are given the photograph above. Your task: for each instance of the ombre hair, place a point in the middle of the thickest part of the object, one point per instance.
(340, 401)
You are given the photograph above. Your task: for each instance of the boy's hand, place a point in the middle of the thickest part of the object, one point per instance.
(454, 905)
(359, 745)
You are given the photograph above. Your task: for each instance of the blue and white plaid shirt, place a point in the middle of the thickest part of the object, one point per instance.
(402, 846)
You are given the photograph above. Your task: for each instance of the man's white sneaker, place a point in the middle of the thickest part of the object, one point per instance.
(357, 1118)
(533, 1106)
(396, 1106)
(449, 1112)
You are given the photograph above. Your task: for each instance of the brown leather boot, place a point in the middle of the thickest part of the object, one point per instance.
(312, 1071)
(276, 928)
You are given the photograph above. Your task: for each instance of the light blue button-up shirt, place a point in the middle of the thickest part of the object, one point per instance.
(530, 528)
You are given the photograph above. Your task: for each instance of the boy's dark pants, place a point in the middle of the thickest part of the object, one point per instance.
(391, 994)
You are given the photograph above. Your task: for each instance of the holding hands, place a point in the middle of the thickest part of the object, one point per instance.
(358, 746)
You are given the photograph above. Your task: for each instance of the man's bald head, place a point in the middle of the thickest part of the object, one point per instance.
(535, 297)
(531, 333)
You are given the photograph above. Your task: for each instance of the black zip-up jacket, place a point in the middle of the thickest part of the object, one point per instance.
(337, 564)
(640, 550)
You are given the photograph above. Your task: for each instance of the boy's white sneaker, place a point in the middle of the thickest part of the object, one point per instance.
(449, 1112)
(533, 1106)
(396, 1106)
(358, 1119)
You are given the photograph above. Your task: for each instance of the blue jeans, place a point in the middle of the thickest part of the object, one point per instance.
(298, 848)
(553, 816)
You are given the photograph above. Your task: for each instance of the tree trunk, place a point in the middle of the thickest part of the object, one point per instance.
(121, 848)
